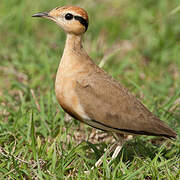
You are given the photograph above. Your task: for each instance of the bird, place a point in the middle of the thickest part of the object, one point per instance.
(88, 93)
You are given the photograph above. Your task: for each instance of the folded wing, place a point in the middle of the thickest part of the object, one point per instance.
(111, 107)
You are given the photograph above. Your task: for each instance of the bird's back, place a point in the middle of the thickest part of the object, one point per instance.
(110, 106)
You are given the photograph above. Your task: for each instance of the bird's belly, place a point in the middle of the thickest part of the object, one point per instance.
(68, 99)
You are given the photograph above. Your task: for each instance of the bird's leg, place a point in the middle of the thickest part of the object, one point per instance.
(108, 151)
(120, 139)
(119, 144)
(116, 147)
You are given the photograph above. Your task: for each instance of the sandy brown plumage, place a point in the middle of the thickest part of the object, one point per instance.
(88, 93)
(109, 104)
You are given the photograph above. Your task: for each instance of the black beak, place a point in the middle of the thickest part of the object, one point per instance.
(41, 14)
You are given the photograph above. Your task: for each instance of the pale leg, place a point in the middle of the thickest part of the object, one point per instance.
(116, 147)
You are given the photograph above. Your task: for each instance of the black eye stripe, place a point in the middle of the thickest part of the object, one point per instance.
(82, 21)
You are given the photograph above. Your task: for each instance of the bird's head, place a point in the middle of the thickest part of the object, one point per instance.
(72, 19)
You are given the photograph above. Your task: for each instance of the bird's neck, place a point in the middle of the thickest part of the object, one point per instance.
(72, 55)
(73, 52)
(71, 59)
(73, 43)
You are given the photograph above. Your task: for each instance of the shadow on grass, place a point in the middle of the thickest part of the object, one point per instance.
(136, 147)
(86, 154)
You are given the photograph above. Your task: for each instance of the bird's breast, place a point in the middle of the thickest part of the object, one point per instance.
(65, 93)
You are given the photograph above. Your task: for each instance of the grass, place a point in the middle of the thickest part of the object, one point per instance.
(139, 41)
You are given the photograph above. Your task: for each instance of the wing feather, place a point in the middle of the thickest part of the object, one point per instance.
(108, 103)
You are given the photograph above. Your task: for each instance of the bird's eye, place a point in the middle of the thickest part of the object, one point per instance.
(68, 16)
